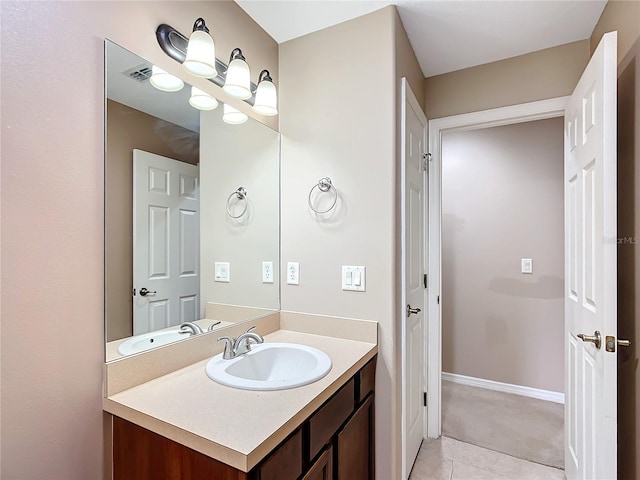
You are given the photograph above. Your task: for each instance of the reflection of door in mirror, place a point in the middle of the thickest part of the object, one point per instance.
(166, 232)
(129, 129)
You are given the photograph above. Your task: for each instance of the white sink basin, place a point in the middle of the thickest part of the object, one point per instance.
(270, 366)
(146, 341)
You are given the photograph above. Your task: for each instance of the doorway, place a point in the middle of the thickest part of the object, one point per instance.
(502, 286)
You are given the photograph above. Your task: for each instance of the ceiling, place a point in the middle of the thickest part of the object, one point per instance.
(445, 35)
(121, 87)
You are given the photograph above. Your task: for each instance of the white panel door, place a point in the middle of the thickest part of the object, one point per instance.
(590, 270)
(166, 242)
(413, 218)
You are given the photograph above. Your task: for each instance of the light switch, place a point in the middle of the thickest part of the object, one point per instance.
(293, 273)
(353, 278)
(527, 265)
(267, 272)
(223, 272)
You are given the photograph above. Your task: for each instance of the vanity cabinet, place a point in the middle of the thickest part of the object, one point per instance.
(336, 442)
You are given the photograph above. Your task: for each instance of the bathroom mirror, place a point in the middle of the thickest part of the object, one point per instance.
(191, 212)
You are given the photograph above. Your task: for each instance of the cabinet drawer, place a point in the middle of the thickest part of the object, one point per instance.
(285, 463)
(326, 421)
(367, 379)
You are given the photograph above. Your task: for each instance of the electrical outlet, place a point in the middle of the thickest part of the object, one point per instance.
(267, 272)
(293, 273)
(527, 265)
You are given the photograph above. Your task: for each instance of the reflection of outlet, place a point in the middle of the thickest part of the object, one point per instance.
(267, 272)
(222, 272)
(293, 273)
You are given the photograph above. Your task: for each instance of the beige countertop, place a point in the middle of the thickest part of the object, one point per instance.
(237, 427)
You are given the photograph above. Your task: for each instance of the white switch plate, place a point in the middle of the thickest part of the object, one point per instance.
(527, 265)
(293, 273)
(223, 272)
(267, 272)
(353, 278)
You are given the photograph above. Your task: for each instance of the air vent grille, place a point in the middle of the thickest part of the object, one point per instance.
(141, 73)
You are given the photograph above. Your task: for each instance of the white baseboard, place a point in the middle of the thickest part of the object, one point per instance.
(548, 395)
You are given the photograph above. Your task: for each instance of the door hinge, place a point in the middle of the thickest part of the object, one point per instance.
(134, 292)
(438, 299)
(426, 158)
(424, 398)
(426, 280)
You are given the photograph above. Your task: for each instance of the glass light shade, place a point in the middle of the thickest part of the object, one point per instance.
(202, 100)
(201, 55)
(165, 81)
(233, 116)
(266, 99)
(238, 80)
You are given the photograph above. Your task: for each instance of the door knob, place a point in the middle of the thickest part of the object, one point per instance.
(144, 292)
(596, 339)
(412, 311)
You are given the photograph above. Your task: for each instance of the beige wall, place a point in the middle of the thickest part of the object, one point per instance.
(338, 120)
(549, 73)
(235, 156)
(406, 65)
(624, 16)
(52, 213)
(127, 129)
(502, 200)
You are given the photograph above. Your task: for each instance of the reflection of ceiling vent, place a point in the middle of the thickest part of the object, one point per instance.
(141, 73)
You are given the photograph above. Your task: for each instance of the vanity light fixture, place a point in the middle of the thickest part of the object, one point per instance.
(232, 116)
(201, 52)
(165, 81)
(178, 47)
(238, 81)
(266, 102)
(202, 100)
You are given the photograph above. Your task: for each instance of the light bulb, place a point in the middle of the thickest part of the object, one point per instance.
(266, 102)
(165, 81)
(201, 52)
(233, 116)
(202, 100)
(238, 80)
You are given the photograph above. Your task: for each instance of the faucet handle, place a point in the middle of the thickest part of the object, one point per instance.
(250, 329)
(229, 344)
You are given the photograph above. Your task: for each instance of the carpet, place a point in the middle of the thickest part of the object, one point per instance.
(519, 426)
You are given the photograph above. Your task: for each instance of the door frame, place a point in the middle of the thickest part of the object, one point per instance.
(408, 97)
(495, 117)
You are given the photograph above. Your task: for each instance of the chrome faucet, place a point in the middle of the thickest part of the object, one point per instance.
(234, 347)
(243, 342)
(192, 328)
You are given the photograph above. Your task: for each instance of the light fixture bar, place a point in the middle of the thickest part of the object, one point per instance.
(174, 44)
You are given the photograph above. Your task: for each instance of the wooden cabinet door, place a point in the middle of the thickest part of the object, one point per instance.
(322, 469)
(356, 445)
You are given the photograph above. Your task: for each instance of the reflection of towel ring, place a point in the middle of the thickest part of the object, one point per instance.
(324, 185)
(240, 194)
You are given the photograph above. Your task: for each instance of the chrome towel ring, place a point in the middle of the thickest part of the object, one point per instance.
(240, 194)
(324, 185)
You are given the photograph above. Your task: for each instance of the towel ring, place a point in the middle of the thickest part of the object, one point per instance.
(240, 194)
(324, 185)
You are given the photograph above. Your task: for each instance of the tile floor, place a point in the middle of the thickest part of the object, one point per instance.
(449, 459)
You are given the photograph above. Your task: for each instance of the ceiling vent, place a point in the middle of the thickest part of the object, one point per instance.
(140, 74)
